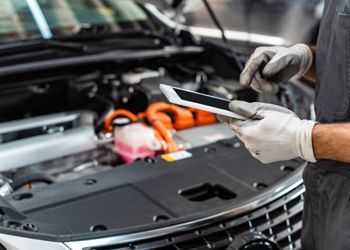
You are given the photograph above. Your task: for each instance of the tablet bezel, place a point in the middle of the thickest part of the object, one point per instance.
(173, 97)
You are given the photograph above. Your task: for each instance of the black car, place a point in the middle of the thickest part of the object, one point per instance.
(91, 155)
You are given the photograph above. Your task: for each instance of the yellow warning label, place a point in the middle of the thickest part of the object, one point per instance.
(176, 156)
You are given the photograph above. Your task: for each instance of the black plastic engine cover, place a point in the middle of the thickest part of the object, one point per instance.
(147, 192)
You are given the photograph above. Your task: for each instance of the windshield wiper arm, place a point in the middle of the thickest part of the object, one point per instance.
(98, 32)
(29, 46)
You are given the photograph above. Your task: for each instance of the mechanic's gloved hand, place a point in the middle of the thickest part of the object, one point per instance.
(269, 66)
(272, 133)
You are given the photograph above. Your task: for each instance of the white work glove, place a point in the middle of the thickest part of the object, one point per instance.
(272, 133)
(269, 66)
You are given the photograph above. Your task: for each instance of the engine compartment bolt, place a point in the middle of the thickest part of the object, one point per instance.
(29, 227)
(210, 150)
(236, 145)
(90, 181)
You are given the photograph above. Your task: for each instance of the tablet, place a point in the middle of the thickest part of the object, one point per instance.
(197, 100)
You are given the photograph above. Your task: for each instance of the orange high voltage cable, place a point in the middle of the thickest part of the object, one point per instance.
(183, 119)
(120, 112)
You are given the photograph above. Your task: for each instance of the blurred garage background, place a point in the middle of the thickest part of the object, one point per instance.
(249, 23)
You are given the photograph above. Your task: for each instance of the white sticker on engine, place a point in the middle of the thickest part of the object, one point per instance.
(214, 137)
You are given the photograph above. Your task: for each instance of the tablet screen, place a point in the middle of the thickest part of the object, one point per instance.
(203, 99)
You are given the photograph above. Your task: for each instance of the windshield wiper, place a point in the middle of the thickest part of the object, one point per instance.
(32, 45)
(98, 32)
(87, 38)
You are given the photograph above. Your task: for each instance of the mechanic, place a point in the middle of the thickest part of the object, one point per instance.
(273, 133)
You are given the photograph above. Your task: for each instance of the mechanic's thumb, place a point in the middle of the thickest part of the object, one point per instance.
(280, 70)
(245, 109)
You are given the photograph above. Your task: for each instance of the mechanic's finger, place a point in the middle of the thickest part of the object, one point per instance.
(252, 67)
(280, 69)
(256, 110)
(246, 109)
(239, 135)
(270, 51)
(223, 119)
(230, 122)
(259, 84)
(265, 87)
(256, 88)
(264, 160)
(237, 131)
(243, 108)
(255, 153)
(238, 124)
(267, 107)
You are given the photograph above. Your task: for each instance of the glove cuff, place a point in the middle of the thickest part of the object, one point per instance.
(304, 140)
(306, 58)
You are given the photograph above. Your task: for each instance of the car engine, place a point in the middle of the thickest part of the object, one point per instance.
(99, 121)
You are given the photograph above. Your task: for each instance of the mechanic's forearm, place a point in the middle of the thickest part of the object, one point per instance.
(311, 74)
(332, 142)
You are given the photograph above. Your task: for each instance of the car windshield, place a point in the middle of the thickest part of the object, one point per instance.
(30, 19)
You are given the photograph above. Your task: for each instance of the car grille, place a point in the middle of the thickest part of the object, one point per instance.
(279, 220)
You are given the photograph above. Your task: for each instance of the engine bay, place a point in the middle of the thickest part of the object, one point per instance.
(76, 141)
(128, 121)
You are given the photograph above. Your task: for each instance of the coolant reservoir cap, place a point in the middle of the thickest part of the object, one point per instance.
(120, 122)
